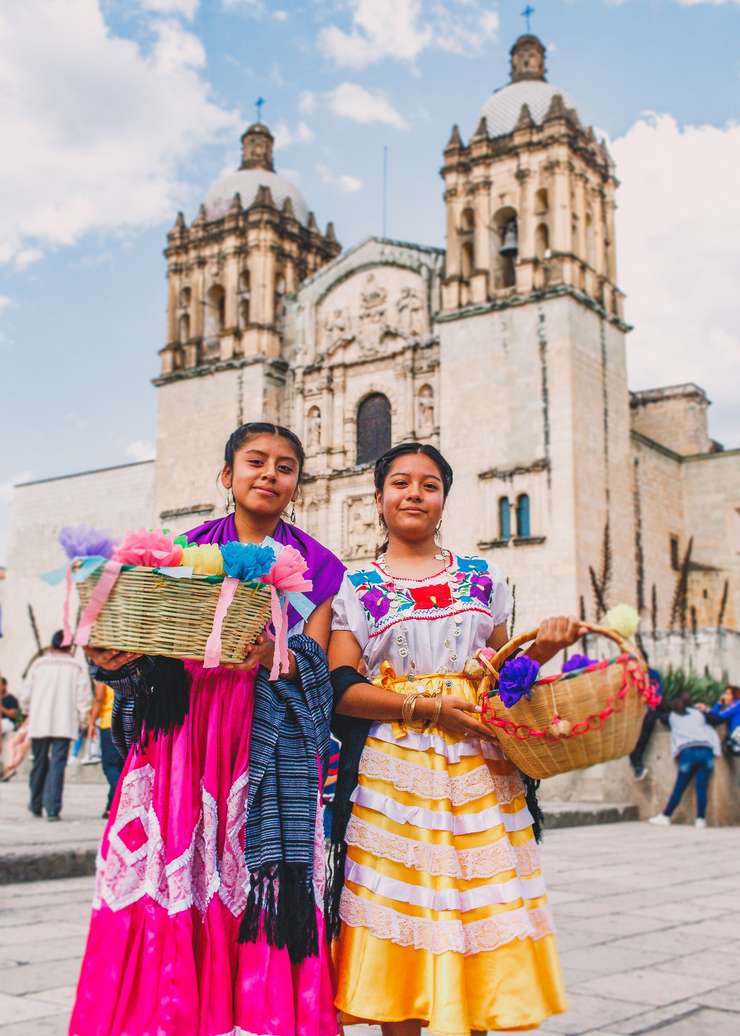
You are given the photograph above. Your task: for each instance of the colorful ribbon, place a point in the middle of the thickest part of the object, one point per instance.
(213, 644)
(99, 596)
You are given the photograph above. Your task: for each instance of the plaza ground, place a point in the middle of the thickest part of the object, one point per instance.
(648, 921)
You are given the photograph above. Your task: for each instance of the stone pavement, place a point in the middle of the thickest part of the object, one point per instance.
(648, 919)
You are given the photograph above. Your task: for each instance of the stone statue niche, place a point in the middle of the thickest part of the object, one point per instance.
(425, 412)
(360, 528)
(411, 312)
(313, 428)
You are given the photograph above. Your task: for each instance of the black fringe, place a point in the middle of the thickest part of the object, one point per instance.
(281, 903)
(163, 702)
(538, 817)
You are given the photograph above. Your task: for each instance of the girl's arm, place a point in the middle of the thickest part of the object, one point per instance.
(554, 635)
(366, 701)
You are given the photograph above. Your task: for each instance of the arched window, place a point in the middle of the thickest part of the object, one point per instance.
(185, 296)
(522, 517)
(540, 201)
(183, 328)
(215, 316)
(541, 241)
(504, 518)
(373, 428)
(467, 255)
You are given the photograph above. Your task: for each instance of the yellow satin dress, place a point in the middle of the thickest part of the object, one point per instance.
(444, 908)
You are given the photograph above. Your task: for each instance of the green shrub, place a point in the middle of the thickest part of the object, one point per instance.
(701, 688)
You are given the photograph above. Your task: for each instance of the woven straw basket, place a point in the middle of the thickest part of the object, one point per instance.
(153, 614)
(573, 719)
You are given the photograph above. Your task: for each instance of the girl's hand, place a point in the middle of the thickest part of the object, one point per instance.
(110, 660)
(554, 635)
(457, 716)
(262, 652)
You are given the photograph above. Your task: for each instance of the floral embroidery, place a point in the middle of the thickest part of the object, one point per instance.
(427, 597)
(467, 585)
(376, 602)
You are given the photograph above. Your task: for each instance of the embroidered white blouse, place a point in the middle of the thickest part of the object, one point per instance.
(430, 625)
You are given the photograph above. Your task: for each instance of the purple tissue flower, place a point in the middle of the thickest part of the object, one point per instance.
(577, 662)
(82, 541)
(516, 679)
(376, 603)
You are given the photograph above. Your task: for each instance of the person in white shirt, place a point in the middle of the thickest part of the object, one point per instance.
(694, 745)
(57, 698)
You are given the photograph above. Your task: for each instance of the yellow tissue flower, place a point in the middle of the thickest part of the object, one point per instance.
(622, 618)
(204, 558)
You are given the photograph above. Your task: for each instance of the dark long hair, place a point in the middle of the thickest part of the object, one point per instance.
(383, 466)
(252, 428)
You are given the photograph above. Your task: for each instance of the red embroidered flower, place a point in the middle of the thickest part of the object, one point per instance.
(428, 597)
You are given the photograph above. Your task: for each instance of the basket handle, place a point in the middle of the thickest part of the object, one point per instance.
(493, 665)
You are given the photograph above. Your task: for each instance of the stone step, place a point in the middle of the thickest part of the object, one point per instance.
(584, 814)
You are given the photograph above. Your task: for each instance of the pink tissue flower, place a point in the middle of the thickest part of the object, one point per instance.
(288, 572)
(152, 549)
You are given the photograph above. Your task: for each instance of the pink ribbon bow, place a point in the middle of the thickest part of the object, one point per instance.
(287, 575)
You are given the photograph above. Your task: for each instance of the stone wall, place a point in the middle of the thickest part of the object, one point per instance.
(118, 499)
(675, 416)
(615, 782)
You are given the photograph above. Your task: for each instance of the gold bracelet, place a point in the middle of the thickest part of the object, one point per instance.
(407, 708)
(434, 718)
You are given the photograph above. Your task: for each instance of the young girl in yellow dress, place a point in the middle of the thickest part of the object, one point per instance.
(444, 916)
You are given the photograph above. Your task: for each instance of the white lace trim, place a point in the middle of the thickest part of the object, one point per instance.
(482, 862)
(439, 819)
(197, 874)
(453, 751)
(443, 936)
(438, 784)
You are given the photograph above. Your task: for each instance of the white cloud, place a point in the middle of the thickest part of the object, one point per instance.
(6, 487)
(715, 3)
(101, 122)
(5, 301)
(344, 182)
(185, 8)
(140, 450)
(352, 101)
(307, 102)
(677, 230)
(402, 29)
(280, 16)
(285, 136)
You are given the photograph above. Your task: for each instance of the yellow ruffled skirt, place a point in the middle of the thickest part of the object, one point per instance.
(444, 911)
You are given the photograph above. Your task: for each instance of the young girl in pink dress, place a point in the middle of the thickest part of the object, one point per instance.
(207, 919)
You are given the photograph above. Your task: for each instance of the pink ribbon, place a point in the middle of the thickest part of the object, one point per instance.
(213, 644)
(287, 576)
(65, 613)
(99, 596)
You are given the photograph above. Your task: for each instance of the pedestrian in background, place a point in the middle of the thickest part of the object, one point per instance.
(110, 757)
(637, 755)
(56, 697)
(694, 744)
(727, 710)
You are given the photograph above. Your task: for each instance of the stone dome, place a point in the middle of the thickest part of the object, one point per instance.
(503, 107)
(247, 182)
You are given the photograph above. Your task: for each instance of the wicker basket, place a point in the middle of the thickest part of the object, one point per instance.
(153, 614)
(573, 719)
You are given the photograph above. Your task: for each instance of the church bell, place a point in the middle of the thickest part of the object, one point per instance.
(510, 244)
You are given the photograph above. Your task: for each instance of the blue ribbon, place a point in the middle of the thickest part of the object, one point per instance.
(86, 568)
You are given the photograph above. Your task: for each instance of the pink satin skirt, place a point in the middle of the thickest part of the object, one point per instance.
(162, 957)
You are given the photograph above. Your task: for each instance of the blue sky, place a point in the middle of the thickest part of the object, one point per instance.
(119, 112)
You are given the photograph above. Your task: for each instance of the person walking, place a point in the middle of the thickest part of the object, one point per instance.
(651, 717)
(438, 890)
(111, 759)
(56, 697)
(207, 917)
(694, 744)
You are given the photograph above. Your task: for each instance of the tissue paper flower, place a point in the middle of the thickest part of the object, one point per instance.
(82, 541)
(622, 618)
(577, 662)
(516, 679)
(150, 548)
(205, 559)
(289, 571)
(247, 561)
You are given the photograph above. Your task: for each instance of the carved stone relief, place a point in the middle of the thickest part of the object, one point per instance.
(338, 328)
(313, 428)
(425, 411)
(372, 316)
(410, 309)
(360, 535)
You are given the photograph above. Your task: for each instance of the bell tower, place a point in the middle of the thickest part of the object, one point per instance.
(530, 197)
(229, 273)
(535, 408)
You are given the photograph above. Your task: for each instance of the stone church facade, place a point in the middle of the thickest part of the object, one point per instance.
(506, 350)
